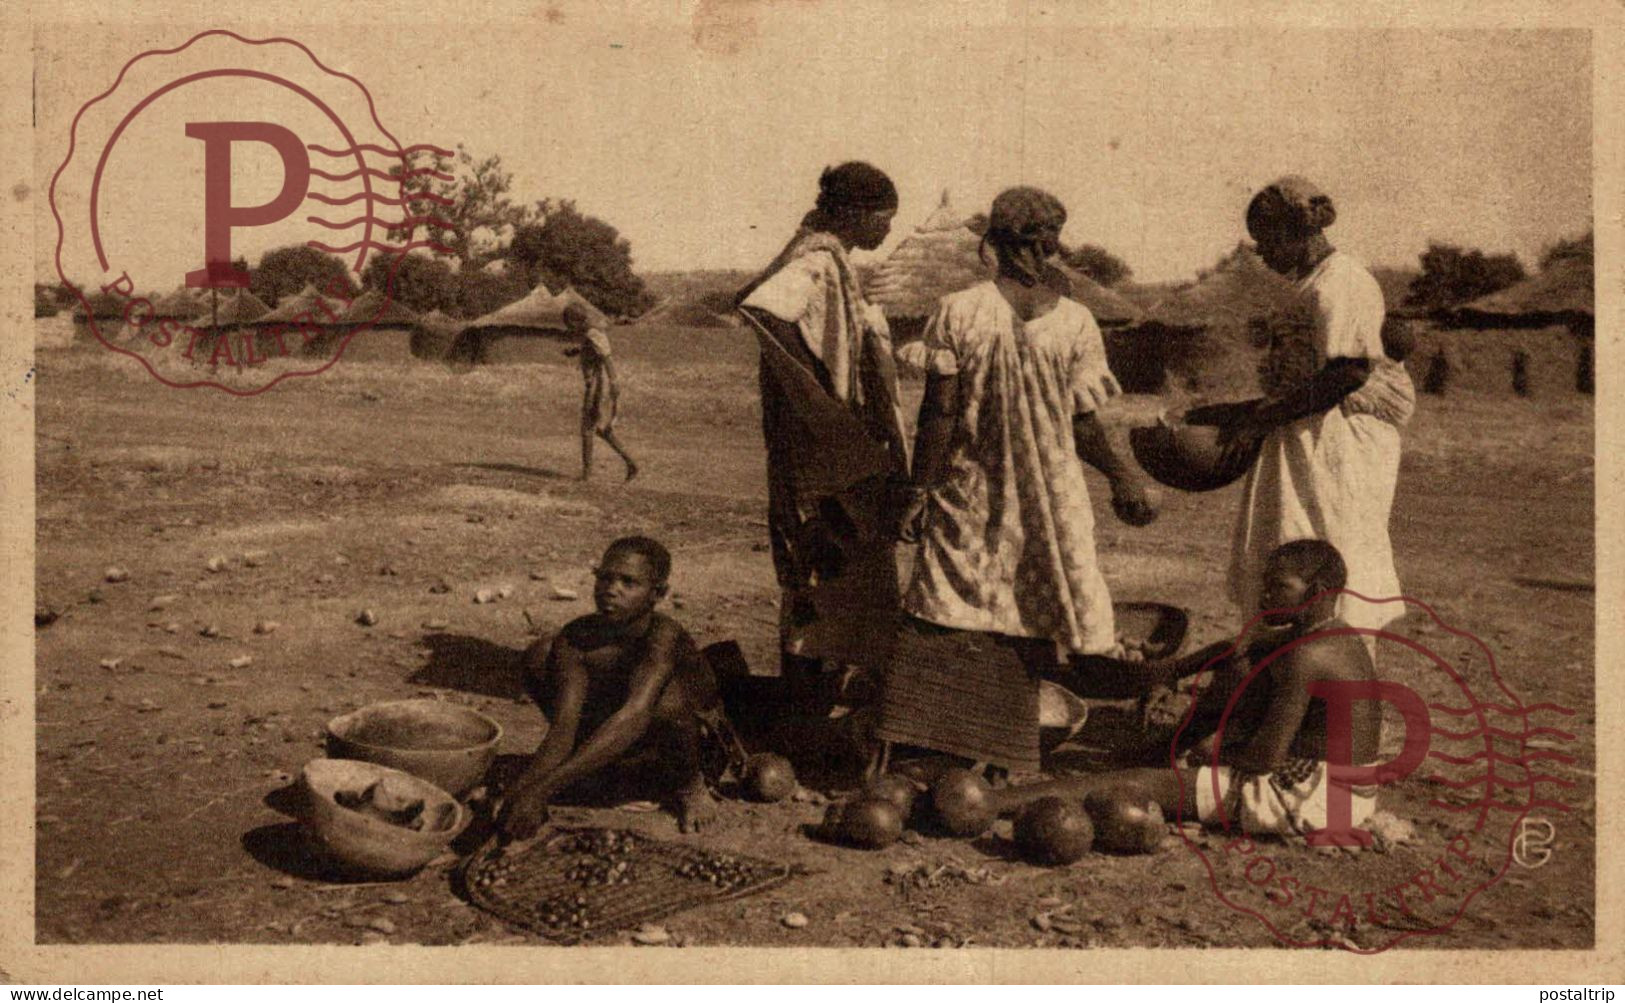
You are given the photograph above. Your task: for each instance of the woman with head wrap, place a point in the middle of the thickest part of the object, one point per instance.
(835, 442)
(1329, 423)
(1015, 376)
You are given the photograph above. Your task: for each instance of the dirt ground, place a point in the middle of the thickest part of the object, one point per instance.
(162, 809)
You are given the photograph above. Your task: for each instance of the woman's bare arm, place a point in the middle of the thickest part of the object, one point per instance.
(1319, 393)
(933, 440)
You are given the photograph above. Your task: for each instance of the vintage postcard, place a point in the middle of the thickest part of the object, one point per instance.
(971, 491)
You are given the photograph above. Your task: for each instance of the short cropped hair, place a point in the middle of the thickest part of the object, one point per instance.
(1318, 562)
(575, 314)
(649, 549)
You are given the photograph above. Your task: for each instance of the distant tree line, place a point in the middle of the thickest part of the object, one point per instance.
(487, 250)
(1454, 275)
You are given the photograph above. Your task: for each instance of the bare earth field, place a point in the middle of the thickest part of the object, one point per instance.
(161, 768)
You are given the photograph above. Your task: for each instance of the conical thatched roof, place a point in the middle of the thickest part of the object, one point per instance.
(942, 256)
(1241, 289)
(1563, 288)
(308, 307)
(938, 258)
(539, 311)
(373, 310)
(438, 322)
(569, 295)
(714, 310)
(241, 307)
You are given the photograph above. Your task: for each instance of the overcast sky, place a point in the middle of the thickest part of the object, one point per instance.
(699, 133)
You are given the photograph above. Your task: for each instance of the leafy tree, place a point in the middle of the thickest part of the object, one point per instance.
(286, 270)
(478, 292)
(417, 281)
(1453, 275)
(1098, 263)
(473, 205)
(563, 246)
(1579, 247)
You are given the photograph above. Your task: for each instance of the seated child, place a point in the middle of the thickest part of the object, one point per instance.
(1271, 772)
(615, 679)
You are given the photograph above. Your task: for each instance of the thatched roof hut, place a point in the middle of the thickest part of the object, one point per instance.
(373, 328)
(942, 256)
(938, 258)
(306, 308)
(372, 309)
(439, 322)
(236, 307)
(540, 315)
(435, 336)
(695, 310)
(1241, 289)
(539, 312)
(1198, 336)
(1563, 292)
(570, 296)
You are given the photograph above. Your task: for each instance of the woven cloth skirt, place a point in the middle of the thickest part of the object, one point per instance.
(962, 692)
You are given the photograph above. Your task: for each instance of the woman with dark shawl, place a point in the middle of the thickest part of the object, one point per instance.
(835, 444)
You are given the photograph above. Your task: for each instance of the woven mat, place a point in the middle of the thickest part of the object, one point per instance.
(578, 884)
(960, 692)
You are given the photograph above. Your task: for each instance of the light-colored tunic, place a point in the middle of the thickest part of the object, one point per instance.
(1330, 476)
(1008, 544)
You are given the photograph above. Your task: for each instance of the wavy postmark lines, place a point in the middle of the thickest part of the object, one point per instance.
(1469, 772)
(195, 156)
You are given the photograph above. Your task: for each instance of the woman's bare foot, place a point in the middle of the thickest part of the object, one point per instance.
(696, 808)
(631, 470)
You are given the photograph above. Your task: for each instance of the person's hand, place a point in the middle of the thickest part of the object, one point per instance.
(911, 516)
(1241, 435)
(1134, 501)
(1162, 708)
(572, 351)
(523, 812)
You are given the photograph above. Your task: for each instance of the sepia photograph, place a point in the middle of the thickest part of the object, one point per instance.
(905, 478)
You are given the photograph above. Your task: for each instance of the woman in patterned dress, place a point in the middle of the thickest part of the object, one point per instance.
(1015, 376)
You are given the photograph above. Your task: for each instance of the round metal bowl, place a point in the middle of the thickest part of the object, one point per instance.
(363, 843)
(447, 744)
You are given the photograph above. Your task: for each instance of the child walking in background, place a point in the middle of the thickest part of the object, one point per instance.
(600, 392)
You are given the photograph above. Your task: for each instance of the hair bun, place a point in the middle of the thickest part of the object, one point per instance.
(1320, 213)
(855, 185)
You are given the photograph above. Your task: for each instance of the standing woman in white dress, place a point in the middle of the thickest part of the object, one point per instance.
(1331, 416)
